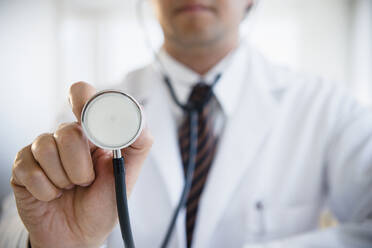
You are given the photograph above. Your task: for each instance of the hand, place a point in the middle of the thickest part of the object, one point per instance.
(64, 185)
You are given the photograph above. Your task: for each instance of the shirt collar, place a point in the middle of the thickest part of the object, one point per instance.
(226, 90)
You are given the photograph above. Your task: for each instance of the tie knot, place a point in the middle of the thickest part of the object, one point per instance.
(200, 95)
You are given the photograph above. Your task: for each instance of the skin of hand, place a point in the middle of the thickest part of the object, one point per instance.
(64, 185)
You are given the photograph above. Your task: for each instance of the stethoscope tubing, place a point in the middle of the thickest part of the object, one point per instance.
(122, 201)
(193, 116)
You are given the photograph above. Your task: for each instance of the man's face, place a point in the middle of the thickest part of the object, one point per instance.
(199, 22)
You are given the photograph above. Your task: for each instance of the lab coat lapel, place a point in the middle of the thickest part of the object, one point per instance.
(244, 134)
(165, 151)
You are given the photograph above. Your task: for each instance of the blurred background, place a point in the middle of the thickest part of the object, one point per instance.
(46, 45)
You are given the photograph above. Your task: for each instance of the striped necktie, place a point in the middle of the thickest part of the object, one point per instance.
(206, 148)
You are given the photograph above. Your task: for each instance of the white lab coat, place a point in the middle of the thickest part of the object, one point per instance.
(292, 146)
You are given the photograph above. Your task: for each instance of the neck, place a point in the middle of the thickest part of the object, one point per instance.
(201, 58)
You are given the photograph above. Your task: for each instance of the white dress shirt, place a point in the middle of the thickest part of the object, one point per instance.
(183, 80)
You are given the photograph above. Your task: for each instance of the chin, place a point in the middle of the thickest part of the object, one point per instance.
(197, 32)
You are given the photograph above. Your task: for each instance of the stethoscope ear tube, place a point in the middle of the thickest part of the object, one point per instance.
(122, 202)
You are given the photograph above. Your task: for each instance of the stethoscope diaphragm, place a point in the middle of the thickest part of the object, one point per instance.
(112, 119)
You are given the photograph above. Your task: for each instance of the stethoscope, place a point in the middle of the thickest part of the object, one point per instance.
(113, 120)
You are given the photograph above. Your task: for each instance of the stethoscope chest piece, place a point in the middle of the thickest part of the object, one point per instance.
(112, 120)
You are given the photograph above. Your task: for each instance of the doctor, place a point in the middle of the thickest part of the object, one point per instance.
(275, 148)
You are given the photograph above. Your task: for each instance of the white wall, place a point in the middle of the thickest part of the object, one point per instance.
(361, 46)
(309, 36)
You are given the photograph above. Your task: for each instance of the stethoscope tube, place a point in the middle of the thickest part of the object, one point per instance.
(193, 115)
(121, 199)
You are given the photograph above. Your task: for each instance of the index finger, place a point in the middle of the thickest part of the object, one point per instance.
(79, 94)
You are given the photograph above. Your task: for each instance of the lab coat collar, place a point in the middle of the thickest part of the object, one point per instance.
(233, 78)
(226, 90)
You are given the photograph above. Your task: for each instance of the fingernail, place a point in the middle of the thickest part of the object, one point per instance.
(85, 184)
(60, 194)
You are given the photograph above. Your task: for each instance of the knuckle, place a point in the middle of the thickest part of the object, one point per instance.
(17, 170)
(20, 161)
(68, 133)
(12, 181)
(60, 126)
(35, 176)
(21, 153)
(43, 146)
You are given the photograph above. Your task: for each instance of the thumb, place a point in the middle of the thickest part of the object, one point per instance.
(79, 94)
